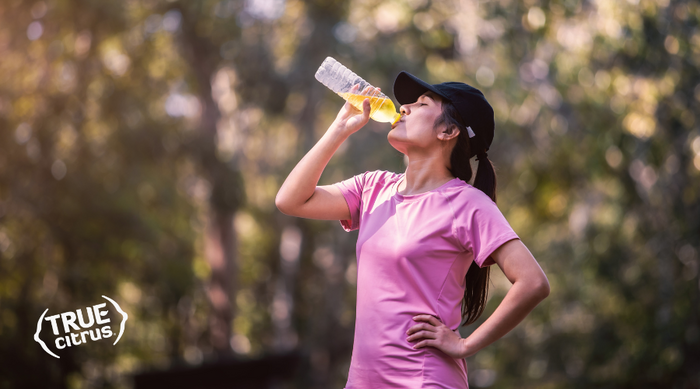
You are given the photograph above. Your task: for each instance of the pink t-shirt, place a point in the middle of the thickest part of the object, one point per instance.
(413, 253)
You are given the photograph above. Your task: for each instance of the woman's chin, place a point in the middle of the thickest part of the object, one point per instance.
(395, 143)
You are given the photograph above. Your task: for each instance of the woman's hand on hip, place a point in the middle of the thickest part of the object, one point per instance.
(430, 332)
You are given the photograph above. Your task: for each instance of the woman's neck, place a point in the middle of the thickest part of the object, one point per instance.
(423, 175)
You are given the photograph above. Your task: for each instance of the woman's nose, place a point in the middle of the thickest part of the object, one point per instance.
(404, 110)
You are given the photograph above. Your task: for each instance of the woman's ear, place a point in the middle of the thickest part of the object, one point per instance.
(449, 132)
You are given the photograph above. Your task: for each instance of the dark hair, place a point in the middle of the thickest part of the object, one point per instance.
(477, 278)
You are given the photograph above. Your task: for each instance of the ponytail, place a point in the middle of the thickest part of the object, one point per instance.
(477, 278)
(485, 176)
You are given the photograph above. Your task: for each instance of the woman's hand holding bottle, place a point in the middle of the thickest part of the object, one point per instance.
(350, 119)
(300, 194)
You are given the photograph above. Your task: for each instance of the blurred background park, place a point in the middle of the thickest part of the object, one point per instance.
(142, 143)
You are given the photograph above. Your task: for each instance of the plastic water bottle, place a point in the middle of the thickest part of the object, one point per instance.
(355, 90)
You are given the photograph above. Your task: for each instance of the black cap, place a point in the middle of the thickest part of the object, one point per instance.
(475, 111)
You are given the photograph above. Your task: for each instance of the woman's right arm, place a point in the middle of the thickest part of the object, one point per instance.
(299, 195)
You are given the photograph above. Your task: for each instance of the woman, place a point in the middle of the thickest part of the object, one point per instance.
(426, 238)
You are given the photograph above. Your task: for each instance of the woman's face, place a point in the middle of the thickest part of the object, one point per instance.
(415, 132)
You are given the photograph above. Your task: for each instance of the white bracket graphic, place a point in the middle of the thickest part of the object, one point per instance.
(38, 339)
(124, 315)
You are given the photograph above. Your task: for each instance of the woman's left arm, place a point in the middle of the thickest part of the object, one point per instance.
(530, 287)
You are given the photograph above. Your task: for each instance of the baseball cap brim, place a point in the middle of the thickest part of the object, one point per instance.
(408, 88)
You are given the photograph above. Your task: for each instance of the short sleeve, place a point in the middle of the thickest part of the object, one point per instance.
(482, 228)
(352, 192)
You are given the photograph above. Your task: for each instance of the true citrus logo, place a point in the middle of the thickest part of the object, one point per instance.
(82, 332)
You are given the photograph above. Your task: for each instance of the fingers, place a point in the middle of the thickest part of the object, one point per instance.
(368, 91)
(371, 91)
(426, 336)
(428, 318)
(365, 92)
(425, 330)
(366, 108)
(422, 334)
(420, 327)
(429, 322)
(431, 332)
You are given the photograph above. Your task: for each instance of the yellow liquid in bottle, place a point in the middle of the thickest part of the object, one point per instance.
(382, 108)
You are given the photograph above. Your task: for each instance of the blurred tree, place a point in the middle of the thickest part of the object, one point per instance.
(93, 188)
